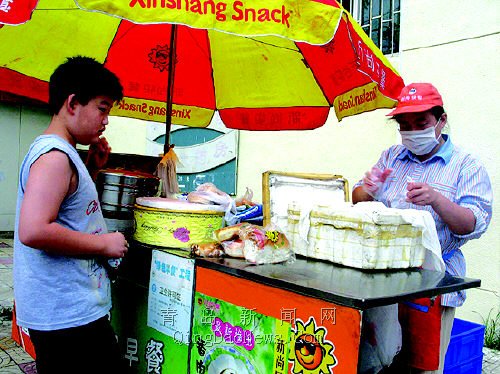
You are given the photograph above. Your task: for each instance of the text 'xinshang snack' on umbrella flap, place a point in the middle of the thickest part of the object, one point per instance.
(301, 20)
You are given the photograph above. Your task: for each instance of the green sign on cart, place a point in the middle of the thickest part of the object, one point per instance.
(233, 339)
(153, 323)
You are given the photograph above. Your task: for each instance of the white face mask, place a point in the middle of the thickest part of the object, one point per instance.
(420, 142)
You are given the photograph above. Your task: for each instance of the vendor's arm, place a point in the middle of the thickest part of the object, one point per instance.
(51, 179)
(97, 157)
(359, 194)
(469, 214)
(459, 219)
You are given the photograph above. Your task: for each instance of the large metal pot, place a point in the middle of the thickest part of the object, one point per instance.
(118, 189)
(134, 179)
(113, 197)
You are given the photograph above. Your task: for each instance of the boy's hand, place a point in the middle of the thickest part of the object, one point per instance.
(98, 154)
(115, 245)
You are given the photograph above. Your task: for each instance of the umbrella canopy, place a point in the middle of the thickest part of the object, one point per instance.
(264, 82)
(313, 21)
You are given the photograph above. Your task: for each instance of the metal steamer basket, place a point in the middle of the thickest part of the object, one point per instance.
(118, 190)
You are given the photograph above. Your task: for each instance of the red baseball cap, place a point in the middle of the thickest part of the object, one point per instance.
(417, 97)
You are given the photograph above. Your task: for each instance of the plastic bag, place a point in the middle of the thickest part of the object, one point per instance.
(249, 213)
(265, 245)
(256, 244)
(381, 338)
(208, 193)
(233, 248)
(246, 199)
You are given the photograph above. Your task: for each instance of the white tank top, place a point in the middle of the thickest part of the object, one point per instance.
(53, 292)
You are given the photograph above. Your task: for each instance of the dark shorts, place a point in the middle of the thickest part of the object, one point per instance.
(91, 348)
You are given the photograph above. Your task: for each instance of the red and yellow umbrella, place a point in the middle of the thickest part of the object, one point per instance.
(264, 65)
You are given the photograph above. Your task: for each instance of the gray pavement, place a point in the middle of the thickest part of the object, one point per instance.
(13, 359)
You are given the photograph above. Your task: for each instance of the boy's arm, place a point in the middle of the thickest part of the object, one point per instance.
(48, 184)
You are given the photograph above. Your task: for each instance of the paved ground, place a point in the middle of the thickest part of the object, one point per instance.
(491, 361)
(13, 359)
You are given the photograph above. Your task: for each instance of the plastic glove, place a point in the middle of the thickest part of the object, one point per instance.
(374, 179)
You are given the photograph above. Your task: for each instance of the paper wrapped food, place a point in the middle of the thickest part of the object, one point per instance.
(367, 235)
(264, 245)
(233, 248)
(256, 244)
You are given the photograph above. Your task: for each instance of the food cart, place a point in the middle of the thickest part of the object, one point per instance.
(176, 313)
(241, 316)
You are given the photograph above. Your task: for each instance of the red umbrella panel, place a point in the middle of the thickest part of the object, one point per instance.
(15, 12)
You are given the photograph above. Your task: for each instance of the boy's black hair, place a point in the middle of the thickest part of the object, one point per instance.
(86, 78)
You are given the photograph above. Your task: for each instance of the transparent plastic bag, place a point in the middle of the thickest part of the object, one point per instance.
(246, 199)
(265, 245)
(381, 338)
(233, 248)
(208, 193)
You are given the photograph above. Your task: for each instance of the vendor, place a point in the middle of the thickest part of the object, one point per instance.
(427, 171)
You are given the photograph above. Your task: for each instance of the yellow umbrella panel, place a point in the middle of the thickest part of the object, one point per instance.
(255, 82)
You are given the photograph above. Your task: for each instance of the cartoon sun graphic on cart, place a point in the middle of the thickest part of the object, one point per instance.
(309, 351)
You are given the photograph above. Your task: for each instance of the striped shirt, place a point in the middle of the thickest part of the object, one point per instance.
(455, 174)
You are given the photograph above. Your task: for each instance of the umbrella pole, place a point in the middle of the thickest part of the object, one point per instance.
(167, 168)
(170, 87)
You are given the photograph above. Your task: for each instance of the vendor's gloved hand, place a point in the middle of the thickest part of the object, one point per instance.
(421, 194)
(374, 179)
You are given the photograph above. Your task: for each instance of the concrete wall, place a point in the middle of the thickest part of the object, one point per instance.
(453, 45)
(456, 47)
(19, 126)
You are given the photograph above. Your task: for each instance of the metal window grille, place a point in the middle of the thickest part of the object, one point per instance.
(380, 19)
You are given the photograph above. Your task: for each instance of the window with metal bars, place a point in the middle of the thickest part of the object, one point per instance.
(380, 19)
